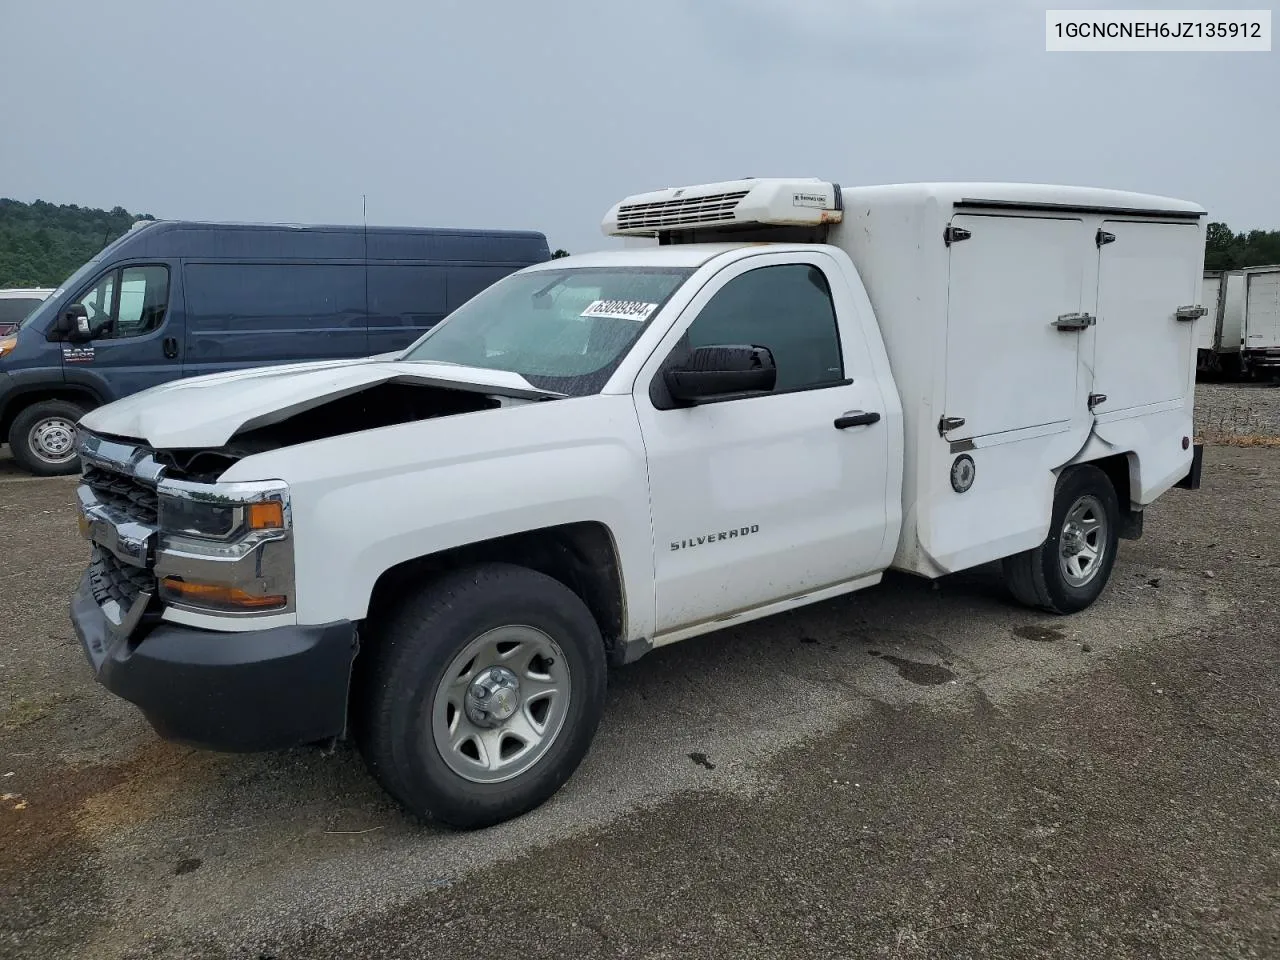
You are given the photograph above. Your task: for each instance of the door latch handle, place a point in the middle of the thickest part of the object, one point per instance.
(1070, 322)
(856, 418)
(170, 347)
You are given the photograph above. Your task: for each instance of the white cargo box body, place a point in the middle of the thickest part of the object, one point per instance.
(1262, 310)
(984, 366)
(1026, 326)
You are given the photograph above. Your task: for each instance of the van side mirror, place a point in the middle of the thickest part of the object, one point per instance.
(718, 371)
(73, 323)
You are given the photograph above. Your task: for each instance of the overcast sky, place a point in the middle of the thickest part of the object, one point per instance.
(540, 116)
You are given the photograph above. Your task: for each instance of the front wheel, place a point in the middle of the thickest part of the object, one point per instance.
(1069, 571)
(42, 438)
(482, 696)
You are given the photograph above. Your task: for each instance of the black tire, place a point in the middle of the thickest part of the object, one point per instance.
(1036, 578)
(25, 442)
(410, 655)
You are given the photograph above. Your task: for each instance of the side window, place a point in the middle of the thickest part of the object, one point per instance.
(99, 302)
(786, 308)
(144, 297)
(128, 303)
(415, 292)
(254, 297)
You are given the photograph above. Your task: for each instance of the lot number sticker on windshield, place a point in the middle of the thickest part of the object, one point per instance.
(620, 309)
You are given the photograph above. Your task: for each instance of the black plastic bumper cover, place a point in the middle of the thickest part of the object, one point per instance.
(236, 692)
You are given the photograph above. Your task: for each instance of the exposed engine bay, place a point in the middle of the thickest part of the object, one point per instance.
(382, 405)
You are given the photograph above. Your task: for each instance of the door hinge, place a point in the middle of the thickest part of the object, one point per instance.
(949, 423)
(1075, 321)
(1097, 399)
(955, 235)
(1102, 237)
(1190, 313)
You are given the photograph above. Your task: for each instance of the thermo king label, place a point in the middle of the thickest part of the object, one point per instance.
(818, 200)
(620, 309)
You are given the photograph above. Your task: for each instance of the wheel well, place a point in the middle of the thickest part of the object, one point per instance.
(1119, 469)
(19, 403)
(579, 555)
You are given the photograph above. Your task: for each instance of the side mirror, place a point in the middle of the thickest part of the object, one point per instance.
(721, 370)
(73, 323)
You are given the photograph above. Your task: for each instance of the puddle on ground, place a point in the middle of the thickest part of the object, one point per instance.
(925, 674)
(1039, 634)
(701, 760)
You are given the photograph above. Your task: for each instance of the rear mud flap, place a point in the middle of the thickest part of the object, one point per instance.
(1192, 480)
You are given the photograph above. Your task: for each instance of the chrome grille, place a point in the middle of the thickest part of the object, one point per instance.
(127, 495)
(112, 580)
(682, 211)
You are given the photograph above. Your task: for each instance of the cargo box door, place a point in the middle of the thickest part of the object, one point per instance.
(1008, 366)
(1206, 326)
(1145, 354)
(1262, 311)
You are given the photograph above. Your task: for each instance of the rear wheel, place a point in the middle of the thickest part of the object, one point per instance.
(1069, 571)
(43, 438)
(482, 695)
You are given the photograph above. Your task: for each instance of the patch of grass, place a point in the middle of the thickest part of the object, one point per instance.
(24, 712)
(1238, 440)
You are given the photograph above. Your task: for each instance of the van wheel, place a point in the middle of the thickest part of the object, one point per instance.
(483, 695)
(43, 438)
(1069, 571)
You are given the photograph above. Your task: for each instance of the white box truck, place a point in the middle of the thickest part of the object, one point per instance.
(1212, 292)
(1221, 346)
(786, 390)
(1260, 343)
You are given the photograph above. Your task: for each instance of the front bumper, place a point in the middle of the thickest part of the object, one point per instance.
(236, 692)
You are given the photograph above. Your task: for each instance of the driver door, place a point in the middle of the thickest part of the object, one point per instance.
(763, 498)
(135, 343)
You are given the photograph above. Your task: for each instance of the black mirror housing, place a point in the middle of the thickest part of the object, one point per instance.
(73, 323)
(721, 371)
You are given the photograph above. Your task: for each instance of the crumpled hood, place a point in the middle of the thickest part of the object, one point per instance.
(208, 411)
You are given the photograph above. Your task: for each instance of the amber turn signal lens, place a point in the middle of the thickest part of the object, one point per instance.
(217, 597)
(266, 516)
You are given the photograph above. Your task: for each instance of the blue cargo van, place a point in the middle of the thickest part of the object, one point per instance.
(178, 299)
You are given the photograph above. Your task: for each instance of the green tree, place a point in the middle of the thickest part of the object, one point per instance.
(559, 253)
(41, 243)
(1225, 250)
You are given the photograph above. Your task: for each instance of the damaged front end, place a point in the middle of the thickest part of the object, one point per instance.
(382, 405)
(189, 605)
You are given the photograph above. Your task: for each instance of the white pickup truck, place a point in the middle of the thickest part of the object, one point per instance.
(784, 391)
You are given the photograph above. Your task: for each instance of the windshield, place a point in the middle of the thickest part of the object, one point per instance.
(77, 278)
(562, 330)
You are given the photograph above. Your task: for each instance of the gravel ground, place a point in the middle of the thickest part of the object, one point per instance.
(1236, 412)
(913, 771)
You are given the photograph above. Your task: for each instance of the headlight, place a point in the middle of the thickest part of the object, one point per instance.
(208, 513)
(225, 547)
(8, 345)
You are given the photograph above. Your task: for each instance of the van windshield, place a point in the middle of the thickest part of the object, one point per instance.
(36, 317)
(562, 330)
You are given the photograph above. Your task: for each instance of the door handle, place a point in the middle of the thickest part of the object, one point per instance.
(170, 347)
(856, 418)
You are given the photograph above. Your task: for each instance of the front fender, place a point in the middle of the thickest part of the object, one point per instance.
(366, 502)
